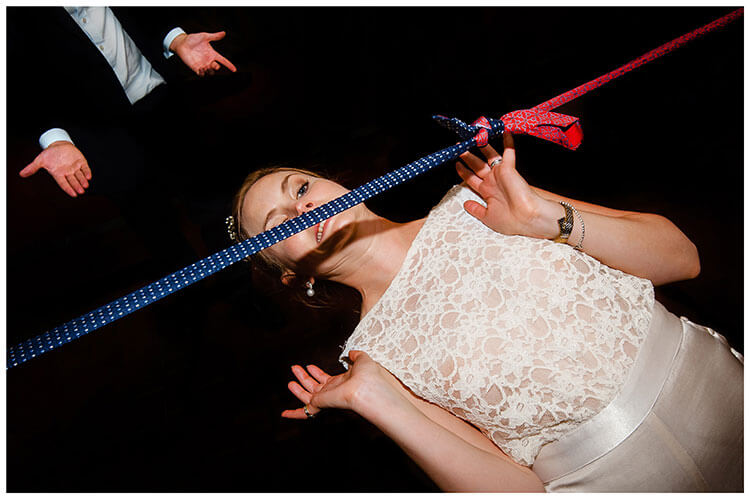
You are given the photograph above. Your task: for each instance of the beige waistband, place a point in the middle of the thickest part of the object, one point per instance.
(626, 412)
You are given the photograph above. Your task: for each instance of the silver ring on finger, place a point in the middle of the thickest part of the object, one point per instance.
(496, 161)
(307, 412)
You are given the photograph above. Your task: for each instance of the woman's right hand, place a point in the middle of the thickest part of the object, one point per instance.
(365, 381)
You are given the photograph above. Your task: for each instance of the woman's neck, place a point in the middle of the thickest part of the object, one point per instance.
(386, 246)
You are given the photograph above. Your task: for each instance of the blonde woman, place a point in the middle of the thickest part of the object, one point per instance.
(510, 341)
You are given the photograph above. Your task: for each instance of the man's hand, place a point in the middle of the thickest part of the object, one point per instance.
(196, 52)
(66, 164)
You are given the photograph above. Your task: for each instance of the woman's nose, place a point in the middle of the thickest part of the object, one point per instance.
(304, 206)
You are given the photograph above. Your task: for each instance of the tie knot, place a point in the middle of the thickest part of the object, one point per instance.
(481, 129)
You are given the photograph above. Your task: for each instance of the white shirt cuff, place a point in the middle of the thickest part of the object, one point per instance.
(169, 39)
(53, 135)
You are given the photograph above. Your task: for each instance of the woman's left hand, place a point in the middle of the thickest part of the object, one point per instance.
(513, 207)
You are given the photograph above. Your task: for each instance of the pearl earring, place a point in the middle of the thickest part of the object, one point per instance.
(310, 291)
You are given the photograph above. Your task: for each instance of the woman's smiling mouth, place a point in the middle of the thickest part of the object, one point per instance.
(321, 227)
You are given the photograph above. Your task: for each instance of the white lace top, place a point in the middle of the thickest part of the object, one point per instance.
(524, 338)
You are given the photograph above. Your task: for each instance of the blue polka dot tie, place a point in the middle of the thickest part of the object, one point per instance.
(537, 121)
(474, 134)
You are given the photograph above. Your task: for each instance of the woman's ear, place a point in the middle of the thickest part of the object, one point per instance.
(288, 277)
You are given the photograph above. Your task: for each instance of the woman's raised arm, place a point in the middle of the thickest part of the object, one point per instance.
(455, 455)
(641, 244)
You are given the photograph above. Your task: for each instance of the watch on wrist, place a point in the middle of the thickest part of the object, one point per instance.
(566, 224)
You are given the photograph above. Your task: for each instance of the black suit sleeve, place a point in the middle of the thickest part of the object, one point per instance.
(56, 76)
(148, 26)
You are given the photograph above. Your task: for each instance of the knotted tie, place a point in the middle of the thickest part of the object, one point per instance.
(566, 130)
(538, 121)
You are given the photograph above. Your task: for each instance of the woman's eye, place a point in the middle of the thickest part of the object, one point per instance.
(302, 190)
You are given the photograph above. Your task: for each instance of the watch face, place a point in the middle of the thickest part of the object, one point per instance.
(565, 223)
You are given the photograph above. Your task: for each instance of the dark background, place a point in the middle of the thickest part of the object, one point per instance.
(186, 394)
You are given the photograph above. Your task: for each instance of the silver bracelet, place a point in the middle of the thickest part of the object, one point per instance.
(578, 246)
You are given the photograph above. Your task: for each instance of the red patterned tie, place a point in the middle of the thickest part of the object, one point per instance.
(566, 130)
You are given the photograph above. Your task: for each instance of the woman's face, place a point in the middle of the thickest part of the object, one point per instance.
(283, 195)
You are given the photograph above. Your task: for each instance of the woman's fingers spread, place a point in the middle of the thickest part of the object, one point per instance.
(300, 413)
(475, 209)
(304, 378)
(318, 373)
(299, 392)
(509, 151)
(509, 158)
(477, 165)
(490, 153)
(294, 414)
(469, 177)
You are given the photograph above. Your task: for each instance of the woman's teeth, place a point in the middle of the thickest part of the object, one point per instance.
(319, 236)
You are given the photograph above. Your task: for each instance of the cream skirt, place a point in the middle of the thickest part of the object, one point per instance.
(676, 426)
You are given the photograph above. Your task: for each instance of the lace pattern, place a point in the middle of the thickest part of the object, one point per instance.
(524, 338)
